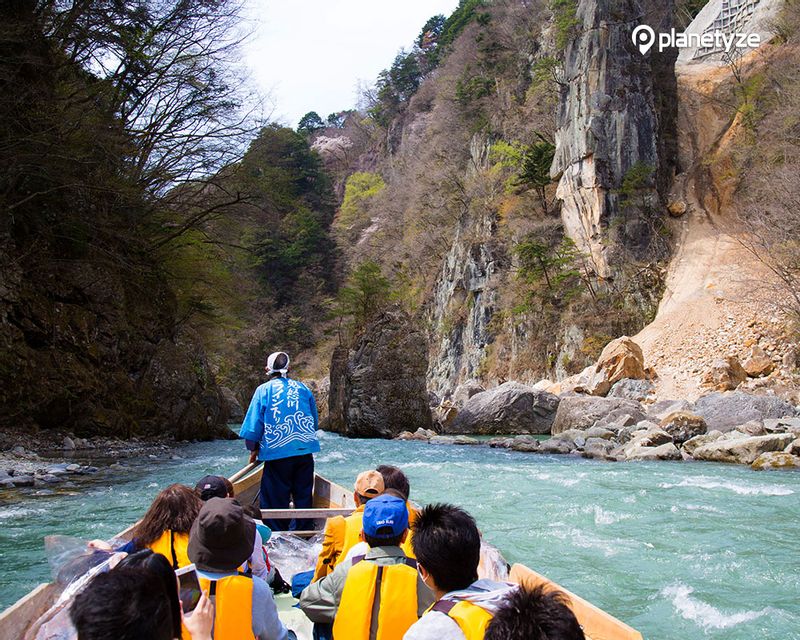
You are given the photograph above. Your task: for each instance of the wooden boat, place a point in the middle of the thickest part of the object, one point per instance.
(330, 500)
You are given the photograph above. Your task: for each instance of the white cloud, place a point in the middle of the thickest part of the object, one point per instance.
(309, 55)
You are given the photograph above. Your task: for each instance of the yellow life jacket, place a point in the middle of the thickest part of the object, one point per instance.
(412, 518)
(352, 532)
(173, 546)
(233, 606)
(397, 605)
(471, 619)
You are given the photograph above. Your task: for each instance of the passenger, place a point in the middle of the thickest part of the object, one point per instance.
(394, 478)
(214, 487)
(361, 548)
(534, 614)
(160, 566)
(448, 547)
(377, 596)
(218, 487)
(165, 527)
(220, 542)
(343, 533)
(131, 603)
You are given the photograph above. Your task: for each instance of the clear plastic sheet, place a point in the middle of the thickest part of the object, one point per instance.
(292, 554)
(73, 566)
(492, 565)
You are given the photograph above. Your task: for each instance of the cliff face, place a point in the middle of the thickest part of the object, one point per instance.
(87, 350)
(616, 123)
(514, 278)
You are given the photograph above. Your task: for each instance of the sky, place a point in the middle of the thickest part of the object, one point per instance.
(310, 55)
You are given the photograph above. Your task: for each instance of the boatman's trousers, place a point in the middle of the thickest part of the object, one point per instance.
(285, 480)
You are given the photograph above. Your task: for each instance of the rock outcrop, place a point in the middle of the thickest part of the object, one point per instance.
(724, 411)
(741, 450)
(377, 388)
(510, 408)
(616, 118)
(582, 412)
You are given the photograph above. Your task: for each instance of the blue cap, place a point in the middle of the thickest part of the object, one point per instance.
(385, 511)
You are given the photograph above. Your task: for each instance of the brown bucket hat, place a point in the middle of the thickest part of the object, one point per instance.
(222, 537)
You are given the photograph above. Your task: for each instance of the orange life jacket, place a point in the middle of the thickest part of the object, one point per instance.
(173, 546)
(395, 586)
(233, 604)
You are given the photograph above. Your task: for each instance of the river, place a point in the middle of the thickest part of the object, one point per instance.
(677, 550)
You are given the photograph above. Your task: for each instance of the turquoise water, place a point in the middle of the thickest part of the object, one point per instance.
(677, 550)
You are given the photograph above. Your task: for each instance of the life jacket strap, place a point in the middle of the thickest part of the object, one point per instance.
(444, 606)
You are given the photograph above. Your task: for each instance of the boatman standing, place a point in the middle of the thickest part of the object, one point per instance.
(280, 428)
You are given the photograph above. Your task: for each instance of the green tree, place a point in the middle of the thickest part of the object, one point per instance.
(535, 169)
(310, 123)
(366, 292)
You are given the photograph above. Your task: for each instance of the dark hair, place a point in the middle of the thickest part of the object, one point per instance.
(394, 541)
(447, 543)
(534, 614)
(161, 567)
(125, 604)
(394, 478)
(174, 509)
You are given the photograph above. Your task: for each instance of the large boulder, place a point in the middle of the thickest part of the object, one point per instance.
(510, 408)
(622, 358)
(683, 426)
(698, 441)
(666, 451)
(725, 374)
(637, 390)
(582, 412)
(743, 450)
(776, 460)
(758, 363)
(465, 391)
(377, 388)
(724, 411)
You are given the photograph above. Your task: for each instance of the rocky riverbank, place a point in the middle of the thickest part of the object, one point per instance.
(53, 460)
(610, 412)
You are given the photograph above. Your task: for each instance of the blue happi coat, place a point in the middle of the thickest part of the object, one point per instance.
(282, 418)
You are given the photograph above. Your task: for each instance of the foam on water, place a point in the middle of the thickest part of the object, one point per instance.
(703, 614)
(706, 482)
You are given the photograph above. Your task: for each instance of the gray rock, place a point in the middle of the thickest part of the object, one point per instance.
(50, 478)
(657, 410)
(465, 391)
(73, 468)
(793, 447)
(724, 411)
(599, 432)
(743, 450)
(7, 483)
(442, 440)
(598, 448)
(69, 444)
(509, 408)
(57, 469)
(525, 444)
(782, 425)
(24, 481)
(666, 451)
(630, 389)
(772, 460)
(698, 441)
(19, 450)
(500, 443)
(583, 412)
(378, 388)
(752, 428)
(683, 426)
(555, 445)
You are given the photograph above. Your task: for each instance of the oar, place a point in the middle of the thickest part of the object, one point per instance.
(244, 472)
